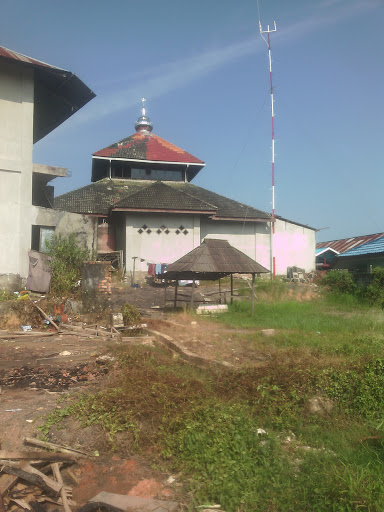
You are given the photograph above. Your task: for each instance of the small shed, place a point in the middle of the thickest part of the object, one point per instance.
(212, 260)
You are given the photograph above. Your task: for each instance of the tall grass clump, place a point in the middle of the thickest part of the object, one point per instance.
(67, 257)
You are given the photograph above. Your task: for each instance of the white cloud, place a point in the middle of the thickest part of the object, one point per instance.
(174, 75)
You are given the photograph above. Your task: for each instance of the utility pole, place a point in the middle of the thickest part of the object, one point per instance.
(268, 32)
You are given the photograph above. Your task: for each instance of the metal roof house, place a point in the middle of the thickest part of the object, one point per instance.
(363, 258)
(35, 98)
(360, 253)
(325, 257)
(344, 244)
(141, 185)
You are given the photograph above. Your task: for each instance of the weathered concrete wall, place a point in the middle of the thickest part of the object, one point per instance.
(16, 142)
(252, 238)
(165, 243)
(96, 285)
(84, 226)
(294, 245)
(10, 282)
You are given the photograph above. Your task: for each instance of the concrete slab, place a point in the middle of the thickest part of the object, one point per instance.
(134, 503)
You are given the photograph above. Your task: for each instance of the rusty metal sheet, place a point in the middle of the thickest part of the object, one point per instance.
(346, 244)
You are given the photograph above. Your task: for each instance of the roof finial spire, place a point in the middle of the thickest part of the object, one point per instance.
(143, 123)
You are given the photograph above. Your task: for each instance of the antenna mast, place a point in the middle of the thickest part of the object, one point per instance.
(269, 31)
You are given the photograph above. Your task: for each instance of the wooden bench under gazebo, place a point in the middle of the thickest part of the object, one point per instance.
(211, 261)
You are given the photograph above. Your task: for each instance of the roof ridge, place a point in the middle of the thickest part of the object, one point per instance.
(193, 197)
(160, 183)
(229, 199)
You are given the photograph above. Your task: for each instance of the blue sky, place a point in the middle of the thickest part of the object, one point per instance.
(203, 68)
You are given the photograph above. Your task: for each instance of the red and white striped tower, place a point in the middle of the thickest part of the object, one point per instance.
(268, 31)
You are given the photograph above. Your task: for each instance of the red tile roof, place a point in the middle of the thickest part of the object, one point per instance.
(147, 146)
(10, 54)
(348, 243)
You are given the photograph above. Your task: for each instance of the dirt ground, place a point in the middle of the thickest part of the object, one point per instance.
(35, 372)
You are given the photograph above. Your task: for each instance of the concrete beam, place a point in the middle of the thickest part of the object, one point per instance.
(55, 172)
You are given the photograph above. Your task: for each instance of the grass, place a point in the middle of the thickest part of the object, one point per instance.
(322, 326)
(206, 423)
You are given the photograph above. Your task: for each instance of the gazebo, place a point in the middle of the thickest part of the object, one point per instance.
(212, 260)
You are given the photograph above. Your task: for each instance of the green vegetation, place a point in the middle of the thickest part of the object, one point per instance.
(131, 315)
(250, 438)
(341, 283)
(67, 258)
(5, 295)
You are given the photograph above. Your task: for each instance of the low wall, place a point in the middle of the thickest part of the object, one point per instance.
(96, 285)
(10, 282)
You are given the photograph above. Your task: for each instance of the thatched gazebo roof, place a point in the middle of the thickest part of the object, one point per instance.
(212, 260)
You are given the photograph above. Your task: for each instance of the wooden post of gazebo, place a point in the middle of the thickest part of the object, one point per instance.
(175, 299)
(253, 294)
(220, 290)
(231, 288)
(193, 289)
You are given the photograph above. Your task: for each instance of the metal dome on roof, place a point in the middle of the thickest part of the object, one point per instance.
(143, 123)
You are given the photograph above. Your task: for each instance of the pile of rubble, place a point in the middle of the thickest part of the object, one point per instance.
(29, 480)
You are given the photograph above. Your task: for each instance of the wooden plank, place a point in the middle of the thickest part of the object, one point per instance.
(52, 457)
(72, 475)
(2, 506)
(54, 446)
(56, 472)
(32, 475)
(22, 504)
(6, 483)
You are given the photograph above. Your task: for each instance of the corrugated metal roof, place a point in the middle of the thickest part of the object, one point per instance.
(212, 257)
(372, 247)
(10, 54)
(346, 244)
(147, 146)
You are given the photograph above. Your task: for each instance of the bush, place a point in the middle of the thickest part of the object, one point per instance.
(339, 281)
(131, 315)
(67, 258)
(374, 294)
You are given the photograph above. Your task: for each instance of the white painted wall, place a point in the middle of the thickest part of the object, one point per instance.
(163, 247)
(252, 238)
(293, 246)
(16, 142)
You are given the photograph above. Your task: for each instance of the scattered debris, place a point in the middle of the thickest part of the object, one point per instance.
(52, 379)
(211, 309)
(26, 478)
(130, 503)
(117, 320)
(268, 332)
(320, 405)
